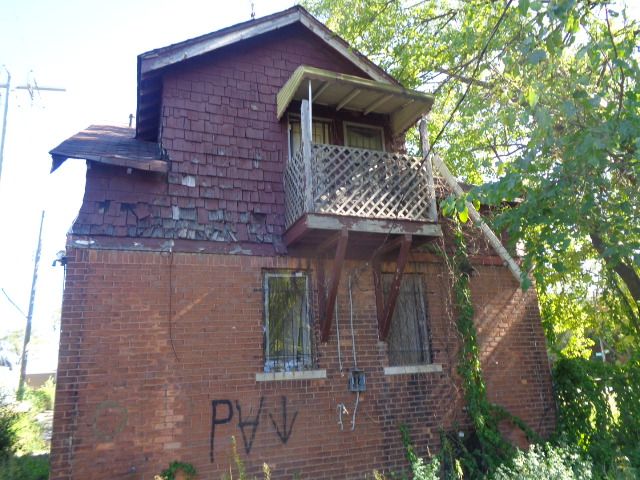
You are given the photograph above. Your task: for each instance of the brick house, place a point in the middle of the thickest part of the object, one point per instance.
(252, 260)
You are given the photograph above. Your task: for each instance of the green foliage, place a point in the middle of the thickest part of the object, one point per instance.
(29, 429)
(545, 462)
(175, 467)
(30, 434)
(492, 448)
(420, 469)
(26, 467)
(8, 434)
(42, 398)
(550, 123)
(599, 411)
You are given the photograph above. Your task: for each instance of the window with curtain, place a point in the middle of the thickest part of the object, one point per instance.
(320, 133)
(362, 136)
(287, 322)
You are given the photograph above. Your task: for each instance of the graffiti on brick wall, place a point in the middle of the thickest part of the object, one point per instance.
(284, 434)
(109, 420)
(222, 413)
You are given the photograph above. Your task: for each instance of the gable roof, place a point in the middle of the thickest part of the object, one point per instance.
(152, 63)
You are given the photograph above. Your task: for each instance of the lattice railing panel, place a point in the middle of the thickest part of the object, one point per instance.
(369, 183)
(358, 182)
(294, 189)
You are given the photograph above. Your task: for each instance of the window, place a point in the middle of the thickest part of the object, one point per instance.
(363, 136)
(287, 331)
(321, 133)
(408, 338)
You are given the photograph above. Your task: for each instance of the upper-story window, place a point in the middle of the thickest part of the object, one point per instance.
(321, 133)
(363, 136)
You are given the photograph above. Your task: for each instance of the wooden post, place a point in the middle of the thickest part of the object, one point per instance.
(477, 219)
(305, 125)
(432, 209)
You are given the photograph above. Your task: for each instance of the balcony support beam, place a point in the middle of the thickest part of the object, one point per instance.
(327, 297)
(386, 307)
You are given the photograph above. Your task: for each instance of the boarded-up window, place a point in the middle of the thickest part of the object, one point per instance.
(408, 338)
(287, 326)
(362, 136)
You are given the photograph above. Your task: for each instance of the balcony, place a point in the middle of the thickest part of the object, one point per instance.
(371, 196)
(365, 191)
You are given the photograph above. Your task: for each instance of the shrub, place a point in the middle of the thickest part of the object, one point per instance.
(26, 467)
(545, 462)
(599, 410)
(8, 434)
(41, 398)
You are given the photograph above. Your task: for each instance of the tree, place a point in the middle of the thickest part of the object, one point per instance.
(538, 103)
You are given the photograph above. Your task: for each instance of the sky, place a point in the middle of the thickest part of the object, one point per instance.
(89, 48)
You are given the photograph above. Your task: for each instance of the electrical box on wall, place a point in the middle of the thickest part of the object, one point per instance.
(357, 381)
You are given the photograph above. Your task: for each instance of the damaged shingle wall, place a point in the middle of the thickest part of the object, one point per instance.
(225, 147)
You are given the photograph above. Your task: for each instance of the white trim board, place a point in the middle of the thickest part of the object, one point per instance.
(283, 376)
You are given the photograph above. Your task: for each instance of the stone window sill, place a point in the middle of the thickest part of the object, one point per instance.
(281, 376)
(411, 369)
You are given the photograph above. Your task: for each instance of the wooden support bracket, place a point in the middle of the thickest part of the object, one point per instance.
(386, 308)
(327, 301)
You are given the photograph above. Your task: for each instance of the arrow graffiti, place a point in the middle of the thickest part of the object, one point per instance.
(285, 433)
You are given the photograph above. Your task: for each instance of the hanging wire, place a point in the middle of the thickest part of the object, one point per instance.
(338, 335)
(353, 336)
(355, 410)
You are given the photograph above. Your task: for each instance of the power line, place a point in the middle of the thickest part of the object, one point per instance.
(13, 303)
(29, 87)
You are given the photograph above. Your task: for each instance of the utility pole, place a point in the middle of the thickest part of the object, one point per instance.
(6, 86)
(31, 89)
(27, 330)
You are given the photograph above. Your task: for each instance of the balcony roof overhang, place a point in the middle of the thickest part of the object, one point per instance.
(348, 92)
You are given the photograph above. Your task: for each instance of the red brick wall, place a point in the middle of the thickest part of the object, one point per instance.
(127, 404)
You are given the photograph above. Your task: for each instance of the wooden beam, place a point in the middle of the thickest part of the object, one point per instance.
(353, 94)
(372, 225)
(477, 219)
(321, 90)
(377, 103)
(328, 303)
(328, 243)
(386, 308)
(389, 246)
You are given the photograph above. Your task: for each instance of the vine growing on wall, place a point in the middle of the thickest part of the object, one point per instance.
(488, 448)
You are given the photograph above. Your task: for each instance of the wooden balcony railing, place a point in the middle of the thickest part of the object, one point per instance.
(348, 181)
